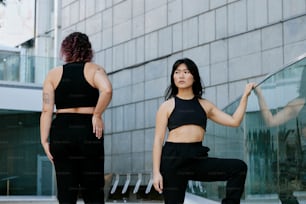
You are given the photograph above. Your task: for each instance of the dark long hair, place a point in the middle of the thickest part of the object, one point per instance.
(76, 47)
(197, 88)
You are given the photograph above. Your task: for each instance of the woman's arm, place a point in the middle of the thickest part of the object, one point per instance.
(160, 131)
(46, 114)
(223, 118)
(103, 84)
(291, 110)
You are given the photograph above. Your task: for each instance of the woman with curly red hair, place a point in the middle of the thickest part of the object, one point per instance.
(80, 91)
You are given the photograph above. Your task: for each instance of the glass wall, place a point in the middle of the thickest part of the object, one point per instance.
(9, 67)
(21, 68)
(275, 135)
(24, 167)
(22, 159)
(271, 139)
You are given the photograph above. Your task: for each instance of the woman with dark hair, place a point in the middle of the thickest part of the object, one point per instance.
(81, 91)
(182, 157)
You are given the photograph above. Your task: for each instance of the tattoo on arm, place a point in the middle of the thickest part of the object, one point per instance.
(46, 98)
(101, 70)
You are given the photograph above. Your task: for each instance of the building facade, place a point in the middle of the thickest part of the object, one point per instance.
(137, 41)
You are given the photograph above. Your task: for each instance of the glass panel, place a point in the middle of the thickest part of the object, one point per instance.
(9, 68)
(26, 69)
(276, 144)
(20, 149)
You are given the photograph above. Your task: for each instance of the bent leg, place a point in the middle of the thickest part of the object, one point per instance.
(231, 170)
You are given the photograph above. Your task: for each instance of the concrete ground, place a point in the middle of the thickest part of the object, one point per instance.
(190, 199)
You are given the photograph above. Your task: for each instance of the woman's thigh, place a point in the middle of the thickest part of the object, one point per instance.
(215, 169)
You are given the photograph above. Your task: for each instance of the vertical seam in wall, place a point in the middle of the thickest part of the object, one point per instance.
(267, 12)
(132, 40)
(102, 51)
(246, 15)
(112, 43)
(144, 30)
(215, 18)
(198, 28)
(182, 24)
(172, 44)
(283, 36)
(227, 48)
(209, 64)
(167, 26)
(261, 37)
(261, 52)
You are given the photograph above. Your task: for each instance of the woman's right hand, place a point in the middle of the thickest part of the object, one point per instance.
(158, 182)
(98, 125)
(47, 151)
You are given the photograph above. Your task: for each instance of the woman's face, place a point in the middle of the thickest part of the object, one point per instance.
(182, 77)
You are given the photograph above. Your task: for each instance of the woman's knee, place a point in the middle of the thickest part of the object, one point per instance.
(241, 165)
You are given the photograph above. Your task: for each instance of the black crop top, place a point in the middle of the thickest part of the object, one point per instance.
(187, 112)
(73, 90)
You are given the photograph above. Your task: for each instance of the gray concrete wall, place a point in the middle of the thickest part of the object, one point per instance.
(137, 41)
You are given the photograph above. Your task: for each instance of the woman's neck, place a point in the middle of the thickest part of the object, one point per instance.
(185, 94)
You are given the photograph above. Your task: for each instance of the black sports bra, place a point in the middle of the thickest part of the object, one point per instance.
(73, 90)
(187, 112)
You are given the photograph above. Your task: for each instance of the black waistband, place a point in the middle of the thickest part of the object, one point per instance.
(67, 115)
(192, 144)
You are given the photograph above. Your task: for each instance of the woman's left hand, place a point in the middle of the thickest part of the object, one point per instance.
(97, 125)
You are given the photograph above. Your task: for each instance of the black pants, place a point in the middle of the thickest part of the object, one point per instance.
(289, 172)
(78, 159)
(189, 161)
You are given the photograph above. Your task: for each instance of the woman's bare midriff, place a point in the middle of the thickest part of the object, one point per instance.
(186, 134)
(81, 110)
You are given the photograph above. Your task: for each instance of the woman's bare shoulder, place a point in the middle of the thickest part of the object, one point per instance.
(53, 77)
(167, 105)
(206, 104)
(94, 66)
(169, 102)
(55, 72)
(92, 69)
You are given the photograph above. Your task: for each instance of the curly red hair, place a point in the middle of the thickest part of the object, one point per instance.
(76, 47)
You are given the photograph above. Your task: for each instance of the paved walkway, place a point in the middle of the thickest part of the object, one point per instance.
(190, 199)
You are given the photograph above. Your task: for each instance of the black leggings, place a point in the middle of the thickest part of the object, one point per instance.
(189, 161)
(78, 159)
